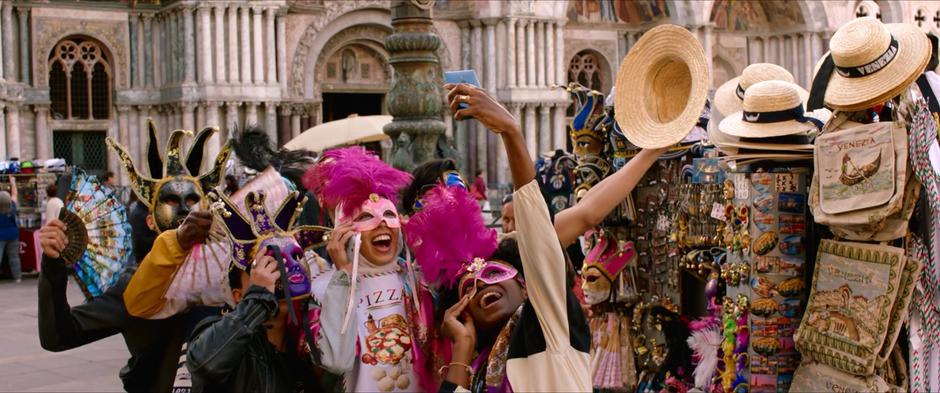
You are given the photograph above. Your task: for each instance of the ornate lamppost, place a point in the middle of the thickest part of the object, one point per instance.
(414, 100)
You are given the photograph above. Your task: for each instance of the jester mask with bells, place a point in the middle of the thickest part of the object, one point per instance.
(175, 186)
(602, 265)
(259, 230)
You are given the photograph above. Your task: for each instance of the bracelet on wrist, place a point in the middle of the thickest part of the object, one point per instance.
(445, 368)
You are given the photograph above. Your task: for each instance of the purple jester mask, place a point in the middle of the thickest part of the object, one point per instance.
(272, 234)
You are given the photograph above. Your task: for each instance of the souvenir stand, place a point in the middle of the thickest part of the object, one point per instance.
(782, 252)
(31, 182)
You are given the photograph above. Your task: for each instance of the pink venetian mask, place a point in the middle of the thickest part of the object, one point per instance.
(373, 212)
(488, 272)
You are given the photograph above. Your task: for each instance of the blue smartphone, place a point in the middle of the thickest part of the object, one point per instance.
(463, 76)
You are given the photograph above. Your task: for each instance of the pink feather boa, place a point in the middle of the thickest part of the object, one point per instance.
(447, 234)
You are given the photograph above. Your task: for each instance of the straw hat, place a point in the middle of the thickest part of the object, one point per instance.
(661, 87)
(729, 96)
(771, 109)
(874, 62)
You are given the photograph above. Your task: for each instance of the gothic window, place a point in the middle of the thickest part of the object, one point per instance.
(79, 80)
(584, 69)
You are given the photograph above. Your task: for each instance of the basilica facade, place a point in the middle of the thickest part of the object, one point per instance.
(72, 73)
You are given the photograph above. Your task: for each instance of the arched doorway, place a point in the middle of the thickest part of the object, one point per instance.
(80, 86)
(352, 73)
(355, 81)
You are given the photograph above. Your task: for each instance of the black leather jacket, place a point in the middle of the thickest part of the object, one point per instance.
(154, 344)
(232, 353)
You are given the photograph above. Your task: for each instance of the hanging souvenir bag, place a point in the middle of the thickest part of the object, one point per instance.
(848, 316)
(816, 377)
(861, 180)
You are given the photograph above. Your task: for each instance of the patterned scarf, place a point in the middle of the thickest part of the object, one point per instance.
(495, 380)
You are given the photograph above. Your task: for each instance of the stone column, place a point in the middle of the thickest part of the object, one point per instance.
(281, 33)
(232, 47)
(520, 54)
(490, 56)
(147, 112)
(283, 124)
(501, 55)
(809, 61)
(561, 64)
(43, 134)
(530, 54)
(218, 43)
(270, 68)
(200, 117)
(231, 117)
(2, 42)
(511, 52)
(765, 41)
(135, 68)
(23, 14)
(187, 109)
(13, 131)
(251, 114)
(476, 50)
(531, 129)
(154, 62)
(244, 27)
(173, 34)
(550, 72)
(189, 43)
(798, 60)
(135, 134)
(3, 131)
(214, 144)
(539, 53)
(270, 121)
(257, 67)
(709, 55)
(9, 56)
(558, 125)
(295, 123)
(545, 129)
(411, 47)
(124, 136)
(204, 44)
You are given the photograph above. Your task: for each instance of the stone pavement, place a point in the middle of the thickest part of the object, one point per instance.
(26, 367)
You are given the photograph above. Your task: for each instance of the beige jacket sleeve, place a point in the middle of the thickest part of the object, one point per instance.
(544, 264)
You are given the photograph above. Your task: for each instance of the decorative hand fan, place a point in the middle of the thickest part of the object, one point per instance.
(99, 234)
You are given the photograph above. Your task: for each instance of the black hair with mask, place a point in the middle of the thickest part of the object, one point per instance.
(425, 174)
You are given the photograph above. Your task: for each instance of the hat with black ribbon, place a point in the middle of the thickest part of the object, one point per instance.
(869, 62)
(771, 109)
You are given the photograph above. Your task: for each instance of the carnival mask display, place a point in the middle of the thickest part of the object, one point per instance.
(586, 137)
(175, 186)
(602, 265)
(257, 230)
(487, 272)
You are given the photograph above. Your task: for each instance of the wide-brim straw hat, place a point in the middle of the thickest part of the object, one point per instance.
(661, 87)
(728, 96)
(771, 109)
(869, 69)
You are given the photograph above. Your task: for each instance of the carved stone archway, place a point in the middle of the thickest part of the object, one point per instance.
(337, 17)
(367, 36)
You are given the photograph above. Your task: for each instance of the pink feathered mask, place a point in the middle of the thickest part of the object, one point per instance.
(448, 234)
(350, 178)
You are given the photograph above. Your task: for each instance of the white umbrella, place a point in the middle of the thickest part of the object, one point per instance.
(349, 131)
